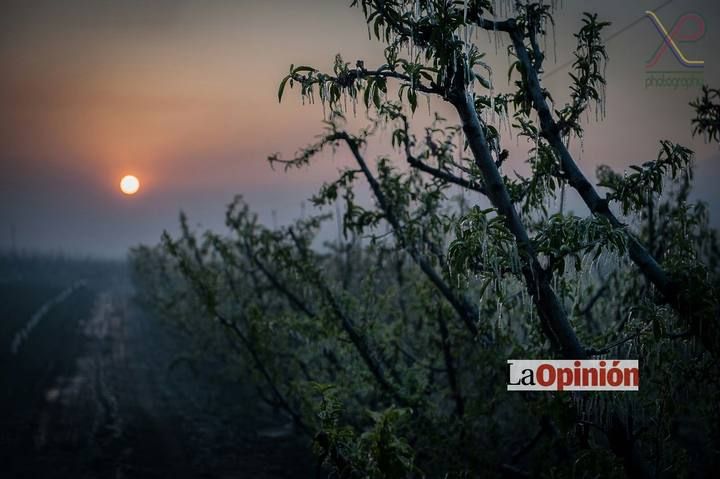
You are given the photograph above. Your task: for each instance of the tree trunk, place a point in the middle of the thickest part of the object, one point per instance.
(552, 315)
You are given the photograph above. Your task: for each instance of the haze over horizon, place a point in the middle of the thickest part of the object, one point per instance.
(183, 94)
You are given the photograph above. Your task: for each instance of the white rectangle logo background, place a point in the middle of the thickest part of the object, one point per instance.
(573, 375)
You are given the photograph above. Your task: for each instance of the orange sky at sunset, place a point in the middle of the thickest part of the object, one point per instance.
(183, 94)
(139, 101)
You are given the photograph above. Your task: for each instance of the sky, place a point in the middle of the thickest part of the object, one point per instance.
(183, 94)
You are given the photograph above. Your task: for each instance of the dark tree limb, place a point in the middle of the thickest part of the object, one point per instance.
(466, 310)
(450, 367)
(553, 317)
(446, 176)
(437, 172)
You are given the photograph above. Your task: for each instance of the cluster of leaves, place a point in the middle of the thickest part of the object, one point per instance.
(632, 190)
(707, 114)
(483, 246)
(545, 177)
(380, 450)
(588, 79)
(566, 236)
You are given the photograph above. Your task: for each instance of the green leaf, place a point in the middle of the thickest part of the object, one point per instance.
(282, 87)
(304, 68)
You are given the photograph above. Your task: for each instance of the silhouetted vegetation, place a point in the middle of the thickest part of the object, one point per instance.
(388, 347)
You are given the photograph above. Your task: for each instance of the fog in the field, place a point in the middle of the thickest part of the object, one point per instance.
(183, 94)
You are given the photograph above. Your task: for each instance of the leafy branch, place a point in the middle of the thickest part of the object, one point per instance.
(632, 190)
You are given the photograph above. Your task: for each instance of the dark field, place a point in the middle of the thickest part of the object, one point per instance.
(95, 387)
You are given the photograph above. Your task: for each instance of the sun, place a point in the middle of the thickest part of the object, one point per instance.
(129, 185)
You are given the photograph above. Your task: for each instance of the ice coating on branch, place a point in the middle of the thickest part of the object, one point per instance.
(324, 97)
(554, 40)
(536, 140)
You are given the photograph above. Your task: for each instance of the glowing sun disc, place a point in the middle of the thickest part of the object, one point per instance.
(129, 185)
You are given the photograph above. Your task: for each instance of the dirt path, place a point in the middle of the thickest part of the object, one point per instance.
(103, 403)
